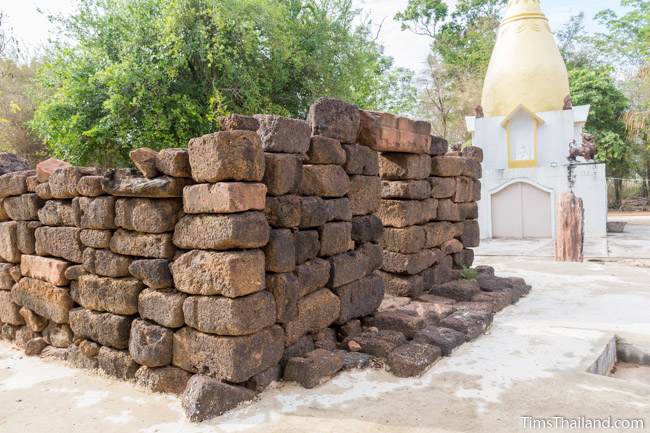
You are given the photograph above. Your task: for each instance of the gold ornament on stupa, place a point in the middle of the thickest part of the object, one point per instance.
(526, 67)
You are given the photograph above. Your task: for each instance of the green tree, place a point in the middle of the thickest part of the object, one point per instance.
(596, 86)
(626, 43)
(17, 110)
(462, 41)
(158, 72)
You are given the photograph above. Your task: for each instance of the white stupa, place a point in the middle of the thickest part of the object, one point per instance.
(526, 132)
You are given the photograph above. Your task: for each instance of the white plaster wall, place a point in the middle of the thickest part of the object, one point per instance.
(554, 137)
(590, 185)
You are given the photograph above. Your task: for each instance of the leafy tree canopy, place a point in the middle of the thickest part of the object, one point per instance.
(156, 72)
(597, 87)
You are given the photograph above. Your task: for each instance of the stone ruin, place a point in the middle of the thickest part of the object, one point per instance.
(274, 249)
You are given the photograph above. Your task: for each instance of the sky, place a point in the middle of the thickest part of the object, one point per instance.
(407, 49)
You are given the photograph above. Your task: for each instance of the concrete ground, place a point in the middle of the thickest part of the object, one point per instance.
(634, 243)
(531, 363)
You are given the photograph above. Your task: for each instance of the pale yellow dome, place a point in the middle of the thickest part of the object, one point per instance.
(526, 67)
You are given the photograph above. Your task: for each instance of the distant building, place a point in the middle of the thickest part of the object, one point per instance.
(527, 131)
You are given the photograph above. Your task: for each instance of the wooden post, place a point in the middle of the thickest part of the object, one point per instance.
(569, 243)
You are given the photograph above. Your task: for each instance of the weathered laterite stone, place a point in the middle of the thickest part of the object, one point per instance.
(283, 135)
(6, 279)
(444, 338)
(15, 183)
(150, 245)
(361, 160)
(404, 213)
(58, 334)
(283, 173)
(335, 119)
(114, 295)
(234, 359)
(227, 155)
(314, 212)
(224, 197)
(116, 363)
(314, 368)
(461, 290)
(164, 307)
(170, 380)
(106, 263)
(335, 238)
(9, 311)
(153, 273)
(407, 240)
(205, 398)
(63, 181)
(324, 181)
(23, 207)
(409, 190)
(412, 359)
(231, 274)
(379, 343)
(174, 162)
(410, 264)
(45, 299)
(404, 166)
(285, 290)
(147, 215)
(125, 183)
(35, 322)
(44, 268)
(364, 194)
(442, 187)
(324, 150)
(96, 213)
(105, 328)
(59, 213)
(150, 344)
(222, 232)
(96, 238)
(280, 252)
(360, 298)
(315, 312)
(284, 212)
(403, 285)
(9, 251)
(238, 122)
(44, 169)
(367, 228)
(90, 186)
(230, 316)
(439, 146)
(380, 132)
(339, 209)
(144, 160)
(312, 275)
(26, 236)
(307, 245)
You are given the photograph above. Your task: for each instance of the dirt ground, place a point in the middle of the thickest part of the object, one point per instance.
(531, 363)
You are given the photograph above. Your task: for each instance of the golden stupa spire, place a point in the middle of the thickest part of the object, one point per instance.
(526, 67)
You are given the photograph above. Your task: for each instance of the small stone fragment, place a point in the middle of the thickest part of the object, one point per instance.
(205, 398)
(314, 368)
(144, 160)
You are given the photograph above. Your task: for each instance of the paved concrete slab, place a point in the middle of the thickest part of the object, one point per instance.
(531, 363)
(634, 243)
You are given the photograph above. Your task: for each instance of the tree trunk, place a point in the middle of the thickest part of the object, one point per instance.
(618, 185)
(646, 181)
(569, 243)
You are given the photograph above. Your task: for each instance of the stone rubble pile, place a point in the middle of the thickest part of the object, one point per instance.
(273, 249)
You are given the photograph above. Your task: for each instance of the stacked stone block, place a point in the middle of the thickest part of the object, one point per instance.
(261, 252)
(426, 198)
